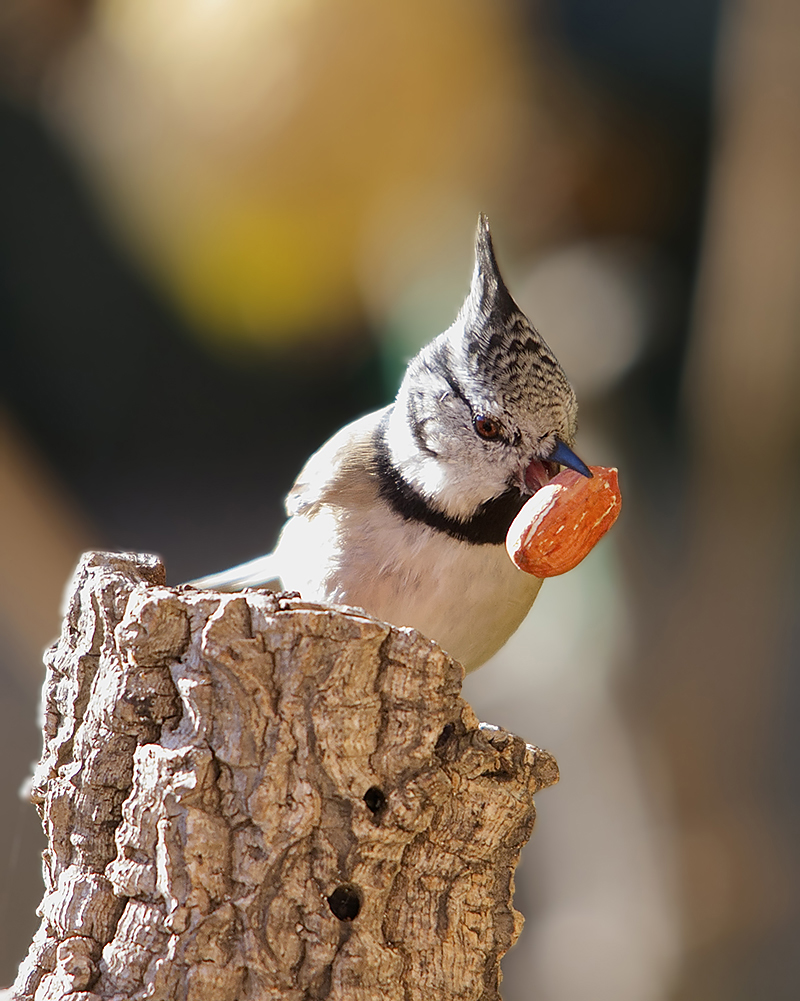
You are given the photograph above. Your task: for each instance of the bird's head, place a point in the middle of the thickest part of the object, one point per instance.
(485, 410)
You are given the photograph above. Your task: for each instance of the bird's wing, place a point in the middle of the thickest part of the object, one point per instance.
(339, 471)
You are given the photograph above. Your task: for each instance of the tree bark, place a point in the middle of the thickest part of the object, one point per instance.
(248, 796)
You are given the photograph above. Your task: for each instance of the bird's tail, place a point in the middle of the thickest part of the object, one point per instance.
(260, 572)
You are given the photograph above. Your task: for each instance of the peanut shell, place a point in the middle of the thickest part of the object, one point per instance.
(563, 521)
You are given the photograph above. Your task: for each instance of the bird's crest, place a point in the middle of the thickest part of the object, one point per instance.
(488, 296)
(493, 337)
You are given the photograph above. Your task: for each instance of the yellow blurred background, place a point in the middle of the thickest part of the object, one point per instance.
(225, 227)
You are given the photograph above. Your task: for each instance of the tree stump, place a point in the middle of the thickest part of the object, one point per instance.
(248, 796)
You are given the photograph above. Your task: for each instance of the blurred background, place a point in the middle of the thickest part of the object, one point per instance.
(224, 228)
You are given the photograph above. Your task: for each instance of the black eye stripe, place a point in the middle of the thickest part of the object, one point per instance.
(417, 425)
(456, 390)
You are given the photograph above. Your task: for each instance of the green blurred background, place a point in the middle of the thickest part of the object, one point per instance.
(224, 228)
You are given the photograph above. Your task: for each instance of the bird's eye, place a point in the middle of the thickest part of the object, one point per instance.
(487, 427)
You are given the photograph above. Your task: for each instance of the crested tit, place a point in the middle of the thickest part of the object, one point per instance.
(404, 512)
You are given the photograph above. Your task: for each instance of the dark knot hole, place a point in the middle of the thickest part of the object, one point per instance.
(445, 735)
(375, 799)
(345, 902)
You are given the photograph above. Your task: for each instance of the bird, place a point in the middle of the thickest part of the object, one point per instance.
(404, 512)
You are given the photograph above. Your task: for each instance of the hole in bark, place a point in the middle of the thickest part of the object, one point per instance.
(501, 774)
(375, 800)
(345, 902)
(445, 735)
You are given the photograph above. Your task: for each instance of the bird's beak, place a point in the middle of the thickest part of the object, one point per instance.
(564, 456)
(539, 472)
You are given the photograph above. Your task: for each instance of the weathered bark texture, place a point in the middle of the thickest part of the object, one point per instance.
(252, 797)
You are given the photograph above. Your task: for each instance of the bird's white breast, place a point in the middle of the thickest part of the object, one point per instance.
(469, 598)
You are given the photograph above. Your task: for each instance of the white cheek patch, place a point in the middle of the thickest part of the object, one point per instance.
(448, 479)
(424, 472)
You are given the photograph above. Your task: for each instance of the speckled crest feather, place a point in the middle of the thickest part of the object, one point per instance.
(494, 350)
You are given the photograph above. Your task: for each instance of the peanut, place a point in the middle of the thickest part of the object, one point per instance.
(563, 521)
